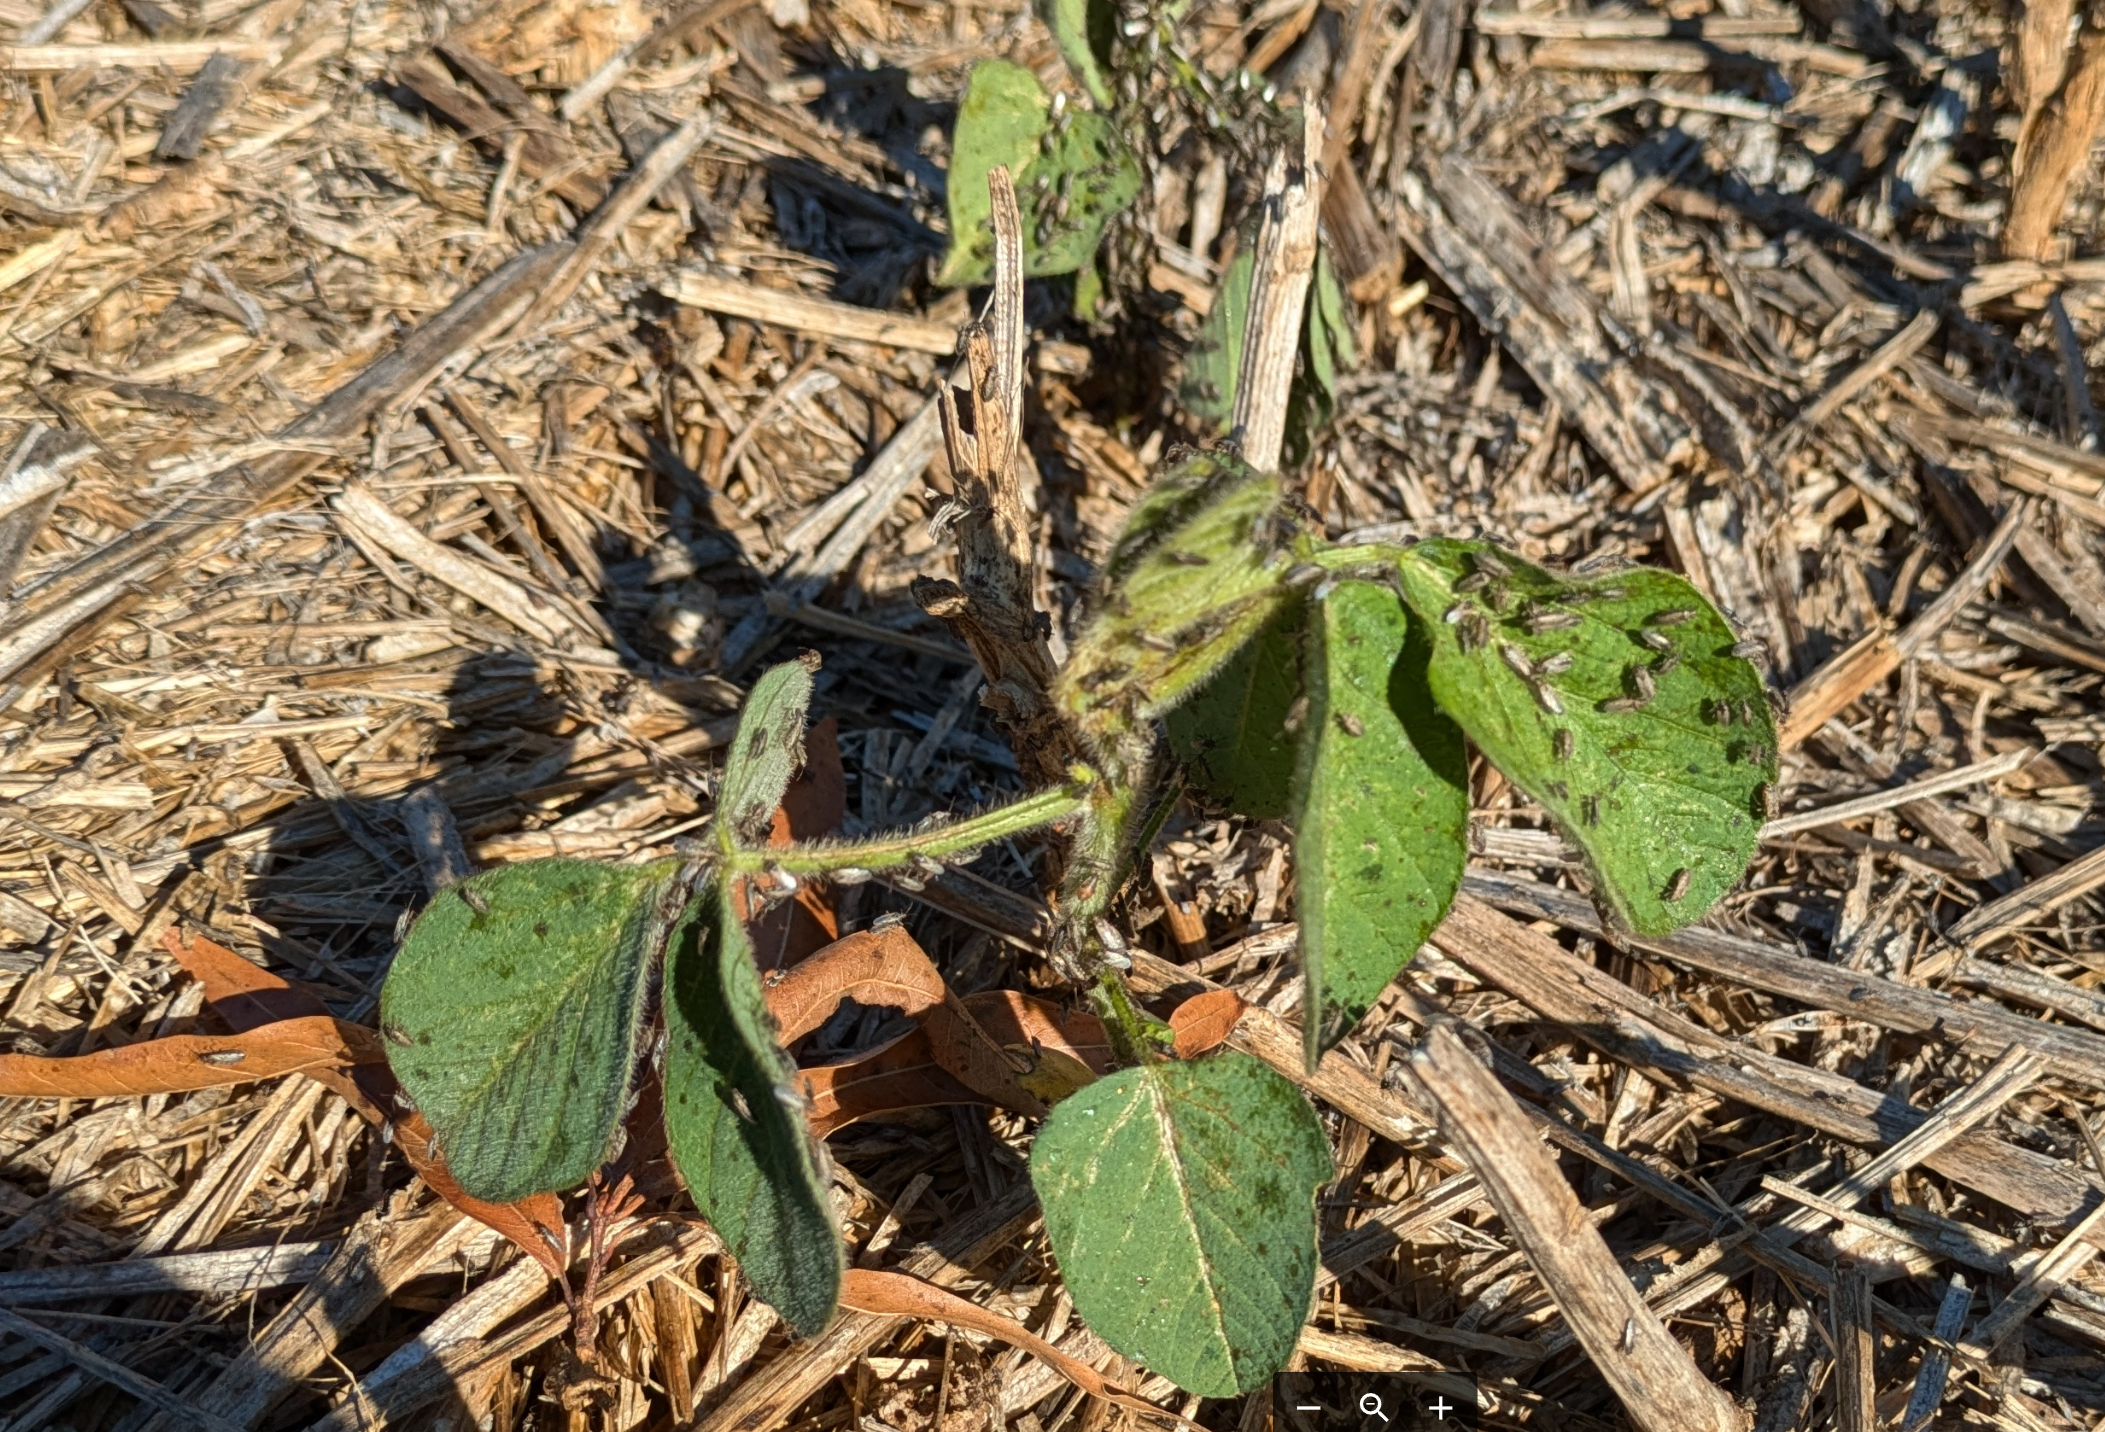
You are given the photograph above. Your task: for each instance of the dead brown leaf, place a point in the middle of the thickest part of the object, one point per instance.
(1205, 1021)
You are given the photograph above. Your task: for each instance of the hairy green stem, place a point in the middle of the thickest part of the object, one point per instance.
(1133, 1040)
(1345, 558)
(1041, 808)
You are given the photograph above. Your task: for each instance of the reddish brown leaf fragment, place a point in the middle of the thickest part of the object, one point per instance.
(874, 967)
(184, 1062)
(900, 1074)
(1205, 1021)
(872, 1290)
(248, 997)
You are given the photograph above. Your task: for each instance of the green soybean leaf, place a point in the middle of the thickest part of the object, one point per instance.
(1194, 576)
(1180, 1202)
(1215, 357)
(765, 754)
(1084, 30)
(511, 1015)
(1616, 702)
(1214, 362)
(735, 1122)
(1232, 735)
(1329, 346)
(1073, 174)
(1382, 788)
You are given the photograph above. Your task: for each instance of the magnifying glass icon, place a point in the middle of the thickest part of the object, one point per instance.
(1370, 1406)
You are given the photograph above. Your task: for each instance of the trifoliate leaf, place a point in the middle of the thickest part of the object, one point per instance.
(1617, 702)
(511, 1014)
(1382, 825)
(1232, 734)
(764, 756)
(1196, 574)
(1180, 1202)
(734, 1118)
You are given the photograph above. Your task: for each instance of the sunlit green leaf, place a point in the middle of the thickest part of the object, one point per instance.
(1072, 174)
(1617, 702)
(1382, 824)
(1232, 734)
(765, 755)
(511, 1016)
(1180, 1202)
(734, 1117)
(1216, 355)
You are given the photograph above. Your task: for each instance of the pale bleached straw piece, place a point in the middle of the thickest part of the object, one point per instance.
(175, 56)
(1651, 1373)
(827, 318)
(359, 507)
(1979, 773)
(217, 1270)
(1286, 258)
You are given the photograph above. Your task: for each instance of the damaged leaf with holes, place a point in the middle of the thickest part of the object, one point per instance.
(1617, 702)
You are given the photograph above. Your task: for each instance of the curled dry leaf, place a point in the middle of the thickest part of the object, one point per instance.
(875, 967)
(185, 1062)
(247, 998)
(1205, 1021)
(871, 1290)
(899, 1074)
(1043, 1055)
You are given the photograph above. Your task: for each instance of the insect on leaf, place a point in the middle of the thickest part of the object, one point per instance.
(1073, 174)
(1382, 787)
(764, 755)
(1195, 575)
(735, 1120)
(1232, 734)
(1616, 702)
(1180, 1202)
(511, 1016)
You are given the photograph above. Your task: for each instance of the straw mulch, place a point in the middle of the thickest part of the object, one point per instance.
(378, 489)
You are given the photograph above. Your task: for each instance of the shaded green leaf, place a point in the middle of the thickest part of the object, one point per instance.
(765, 755)
(1084, 30)
(1180, 1202)
(511, 1016)
(1232, 734)
(734, 1119)
(1382, 825)
(1194, 576)
(1652, 747)
(1072, 176)
(1215, 357)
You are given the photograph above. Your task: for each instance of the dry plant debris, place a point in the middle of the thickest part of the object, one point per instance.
(418, 422)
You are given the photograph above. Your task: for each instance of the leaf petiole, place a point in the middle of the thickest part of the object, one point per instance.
(1041, 808)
